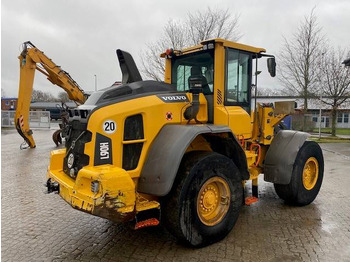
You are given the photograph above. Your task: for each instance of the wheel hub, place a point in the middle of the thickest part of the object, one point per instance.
(310, 173)
(213, 201)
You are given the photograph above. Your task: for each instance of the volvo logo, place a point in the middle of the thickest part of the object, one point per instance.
(173, 98)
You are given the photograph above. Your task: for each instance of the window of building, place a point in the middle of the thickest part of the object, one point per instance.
(346, 117)
(340, 117)
(315, 117)
(7, 103)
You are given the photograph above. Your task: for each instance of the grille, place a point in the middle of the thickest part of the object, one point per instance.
(131, 155)
(133, 132)
(76, 132)
(79, 113)
(133, 129)
(219, 99)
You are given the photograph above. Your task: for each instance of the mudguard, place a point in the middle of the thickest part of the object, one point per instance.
(281, 155)
(164, 158)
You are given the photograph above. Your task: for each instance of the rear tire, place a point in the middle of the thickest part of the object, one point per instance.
(306, 178)
(204, 203)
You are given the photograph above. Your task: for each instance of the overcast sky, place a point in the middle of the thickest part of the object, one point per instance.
(82, 36)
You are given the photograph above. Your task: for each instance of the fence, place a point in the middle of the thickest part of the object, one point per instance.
(37, 119)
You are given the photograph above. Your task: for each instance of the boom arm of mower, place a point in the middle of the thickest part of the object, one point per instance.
(31, 59)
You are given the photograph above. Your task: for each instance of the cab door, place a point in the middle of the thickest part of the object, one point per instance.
(237, 98)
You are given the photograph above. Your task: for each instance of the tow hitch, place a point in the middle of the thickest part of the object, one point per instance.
(52, 186)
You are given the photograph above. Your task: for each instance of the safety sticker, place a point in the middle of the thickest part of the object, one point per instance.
(21, 121)
(169, 116)
(109, 126)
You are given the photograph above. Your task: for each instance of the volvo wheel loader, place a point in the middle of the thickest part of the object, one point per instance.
(181, 151)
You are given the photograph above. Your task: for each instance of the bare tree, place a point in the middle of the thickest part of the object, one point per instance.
(63, 97)
(212, 23)
(334, 81)
(3, 93)
(266, 91)
(41, 96)
(300, 59)
(178, 34)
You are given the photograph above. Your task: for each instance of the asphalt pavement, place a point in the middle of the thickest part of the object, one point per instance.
(42, 227)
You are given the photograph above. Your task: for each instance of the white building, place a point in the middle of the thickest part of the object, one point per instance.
(314, 106)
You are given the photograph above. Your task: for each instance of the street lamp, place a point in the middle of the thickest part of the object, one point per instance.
(319, 127)
(95, 82)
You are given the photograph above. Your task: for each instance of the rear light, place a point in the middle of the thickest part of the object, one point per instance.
(72, 173)
(95, 185)
(70, 160)
(169, 53)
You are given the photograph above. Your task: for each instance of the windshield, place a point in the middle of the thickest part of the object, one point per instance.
(200, 64)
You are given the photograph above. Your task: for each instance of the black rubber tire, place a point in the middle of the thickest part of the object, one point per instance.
(295, 193)
(179, 207)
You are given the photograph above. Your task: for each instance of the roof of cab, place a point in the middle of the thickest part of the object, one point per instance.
(225, 43)
(236, 45)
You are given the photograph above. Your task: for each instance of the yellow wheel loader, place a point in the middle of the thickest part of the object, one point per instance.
(180, 151)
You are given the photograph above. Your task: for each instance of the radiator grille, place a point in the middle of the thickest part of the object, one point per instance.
(131, 155)
(133, 133)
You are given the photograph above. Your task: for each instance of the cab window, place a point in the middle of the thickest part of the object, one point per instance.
(238, 70)
(199, 65)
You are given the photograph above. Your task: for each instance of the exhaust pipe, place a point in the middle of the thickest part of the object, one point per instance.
(130, 72)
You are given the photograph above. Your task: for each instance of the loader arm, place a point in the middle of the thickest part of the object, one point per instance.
(31, 59)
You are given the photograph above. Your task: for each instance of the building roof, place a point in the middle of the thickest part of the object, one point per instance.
(50, 105)
(313, 103)
(9, 98)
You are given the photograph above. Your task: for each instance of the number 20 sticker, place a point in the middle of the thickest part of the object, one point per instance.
(109, 126)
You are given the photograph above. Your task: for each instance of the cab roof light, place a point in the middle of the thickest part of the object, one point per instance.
(208, 46)
(169, 53)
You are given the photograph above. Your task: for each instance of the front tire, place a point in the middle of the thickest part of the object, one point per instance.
(204, 203)
(306, 178)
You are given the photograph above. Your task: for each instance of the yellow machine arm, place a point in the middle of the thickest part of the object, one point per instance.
(31, 59)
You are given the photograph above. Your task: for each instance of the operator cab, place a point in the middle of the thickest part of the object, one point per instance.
(198, 65)
(225, 69)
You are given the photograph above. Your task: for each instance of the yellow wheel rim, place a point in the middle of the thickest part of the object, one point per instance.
(310, 173)
(213, 201)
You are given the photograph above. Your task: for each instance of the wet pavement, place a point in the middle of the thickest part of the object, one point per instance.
(42, 227)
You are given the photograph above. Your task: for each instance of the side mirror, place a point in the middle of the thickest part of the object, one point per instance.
(271, 66)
